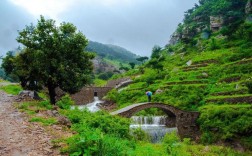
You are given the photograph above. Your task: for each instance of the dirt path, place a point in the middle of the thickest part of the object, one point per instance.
(19, 137)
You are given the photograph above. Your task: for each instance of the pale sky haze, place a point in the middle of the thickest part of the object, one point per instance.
(136, 25)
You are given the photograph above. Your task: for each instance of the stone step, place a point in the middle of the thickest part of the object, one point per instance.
(233, 92)
(231, 99)
(206, 61)
(195, 66)
(195, 85)
(231, 79)
(187, 82)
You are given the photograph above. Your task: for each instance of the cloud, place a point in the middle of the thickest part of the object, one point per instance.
(50, 8)
(136, 25)
(12, 20)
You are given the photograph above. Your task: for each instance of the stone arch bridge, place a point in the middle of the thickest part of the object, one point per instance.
(185, 121)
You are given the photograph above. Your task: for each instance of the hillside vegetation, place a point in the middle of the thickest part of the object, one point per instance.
(112, 52)
(206, 67)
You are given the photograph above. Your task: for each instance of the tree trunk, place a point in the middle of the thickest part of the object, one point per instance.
(52, 94)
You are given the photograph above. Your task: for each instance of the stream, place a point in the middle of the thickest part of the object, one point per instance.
(152, 125)
(93, 106)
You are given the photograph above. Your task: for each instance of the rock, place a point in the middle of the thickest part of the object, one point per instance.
(174, 38)
(248, 8)
(64, 121)
(55, 113)
(57, 127)
(216, 22)
(49, 113)
(189, 62)
(158, 91)
(204, 35)
(204, 74)
(249, 19)
(31, 94)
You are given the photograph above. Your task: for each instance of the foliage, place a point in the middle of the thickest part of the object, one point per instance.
(11, 89)
(132, 65)
(106, 123)
(156, 51)
(139, 134)
(105, 75)
(53, 56)
(65, 102)
(142, 59)
(225, 122)
(249, 86)
(98, 134)
(111, 52)
(99, 82)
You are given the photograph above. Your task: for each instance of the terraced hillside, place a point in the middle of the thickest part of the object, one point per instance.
(209, 82)
(206, 67)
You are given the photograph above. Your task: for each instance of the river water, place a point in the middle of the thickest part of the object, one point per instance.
(152, 125)
(93, 106)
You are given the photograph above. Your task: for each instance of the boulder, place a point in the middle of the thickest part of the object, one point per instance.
(30, 94)
(189, 63)
(216, 22)
(204, 74)
(64, 121)
(158, 91)
(205, 35)
(248, 8)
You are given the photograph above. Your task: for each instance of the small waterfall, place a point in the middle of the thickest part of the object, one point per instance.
(93, 106)
(148, 120)
(152, 125)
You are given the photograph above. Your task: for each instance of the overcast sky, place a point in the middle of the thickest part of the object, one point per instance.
(136, 25)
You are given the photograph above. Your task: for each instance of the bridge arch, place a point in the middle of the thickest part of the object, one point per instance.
(185, 120)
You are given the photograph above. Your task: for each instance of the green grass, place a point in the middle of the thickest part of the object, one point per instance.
(44, 121)
(11, 89)
(34, 106)
(99, 82)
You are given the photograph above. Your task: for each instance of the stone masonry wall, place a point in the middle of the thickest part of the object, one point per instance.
(86, 94)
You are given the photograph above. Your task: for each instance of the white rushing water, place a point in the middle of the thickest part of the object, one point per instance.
(152, 125)
(93, 106)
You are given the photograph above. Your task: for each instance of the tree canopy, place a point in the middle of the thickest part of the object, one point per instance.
(53, 56)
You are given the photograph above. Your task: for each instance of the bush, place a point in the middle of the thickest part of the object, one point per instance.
(225, 122)
(65, 102)
(249, 86)
(98, 134)
(140, 135)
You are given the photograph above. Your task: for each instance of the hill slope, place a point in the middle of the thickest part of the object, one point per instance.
(206, 67)
(112, 52)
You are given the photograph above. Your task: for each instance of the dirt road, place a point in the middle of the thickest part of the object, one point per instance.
(18, 137)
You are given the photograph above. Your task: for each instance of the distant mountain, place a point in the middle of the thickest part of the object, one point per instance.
(112, 52)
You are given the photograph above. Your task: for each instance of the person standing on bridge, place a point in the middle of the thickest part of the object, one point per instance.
(149, 94)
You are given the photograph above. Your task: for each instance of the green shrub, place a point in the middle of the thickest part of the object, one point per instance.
(249, 86)
(107, 123)
(93, 142)
(65, 102)
(140, 135)
(45, 104)
(225, 122)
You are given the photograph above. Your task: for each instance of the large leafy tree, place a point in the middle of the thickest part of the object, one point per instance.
(54, 57)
